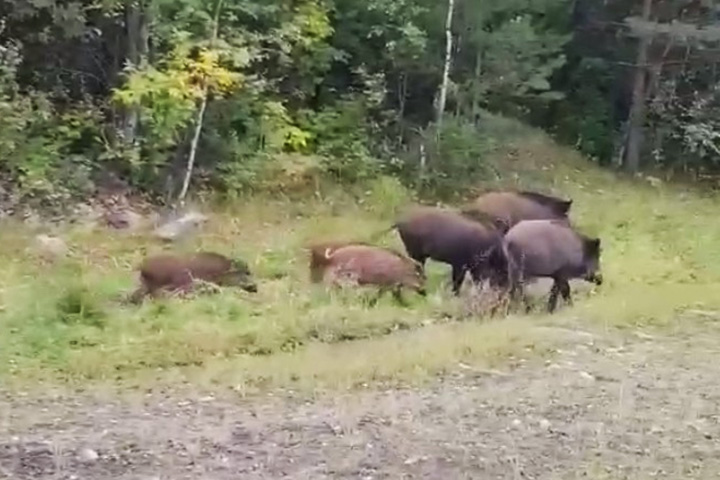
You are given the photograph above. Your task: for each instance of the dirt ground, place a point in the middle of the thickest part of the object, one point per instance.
(600, 409)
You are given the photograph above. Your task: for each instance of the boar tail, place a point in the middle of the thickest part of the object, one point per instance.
(375, 236)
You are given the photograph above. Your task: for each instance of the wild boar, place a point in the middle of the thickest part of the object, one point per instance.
(447, 236)
(319, 256)
(512, 207)
(178, 273)
(369, 265)
(551, 248)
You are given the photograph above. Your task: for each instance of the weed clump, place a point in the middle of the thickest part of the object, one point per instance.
(78, 306)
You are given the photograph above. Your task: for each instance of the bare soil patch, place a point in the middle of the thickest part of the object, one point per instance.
(601, 409)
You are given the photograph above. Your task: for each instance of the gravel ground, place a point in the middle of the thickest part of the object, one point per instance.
(640, 409)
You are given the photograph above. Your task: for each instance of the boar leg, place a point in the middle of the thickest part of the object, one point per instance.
(560, 287)
(477, 275)
(565, 291)
(397, 294)
(458, 275)
(552, 301)
(373, 301)
(182, 289)
(138, 295)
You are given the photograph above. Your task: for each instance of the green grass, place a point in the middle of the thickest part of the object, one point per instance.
(63, 322)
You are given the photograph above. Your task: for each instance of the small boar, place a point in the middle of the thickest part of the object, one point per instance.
(551, 248)
(319, 259)
(449, 237)
(369, 265)
(176, 273)
(512, 207)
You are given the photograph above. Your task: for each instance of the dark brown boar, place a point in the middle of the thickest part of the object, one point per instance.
(319, 256)
(369, 265)
(512, 207)
(447, 236)
(551, 248)
(178, 274)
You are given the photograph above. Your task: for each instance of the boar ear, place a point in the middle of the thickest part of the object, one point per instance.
(595, 244)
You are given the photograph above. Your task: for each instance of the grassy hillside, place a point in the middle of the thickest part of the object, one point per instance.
(61, 322)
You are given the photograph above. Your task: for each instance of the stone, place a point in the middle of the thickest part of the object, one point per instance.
(50, 247)
(181, 227)
(88, 455)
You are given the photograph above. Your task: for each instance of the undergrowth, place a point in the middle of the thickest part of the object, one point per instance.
(64, 321)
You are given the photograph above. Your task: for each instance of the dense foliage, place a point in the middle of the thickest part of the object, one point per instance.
(284, 92)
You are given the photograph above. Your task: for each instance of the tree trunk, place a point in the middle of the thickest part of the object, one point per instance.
(193, 147)
(402, 100)
(639, 97)
(476, 87)
(137, 31)
(200, 115)
(446, 69)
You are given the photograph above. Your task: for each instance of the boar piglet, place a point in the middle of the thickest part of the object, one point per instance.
(369, 265)
(178, 274)
(320, 253)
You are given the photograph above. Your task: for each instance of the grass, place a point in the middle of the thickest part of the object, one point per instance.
(62, 322)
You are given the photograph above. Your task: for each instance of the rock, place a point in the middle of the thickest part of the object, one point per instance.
(180, 228)
(414, 460)
(124, 220)
(545, 424)
(654, 181)
(50, 247)
(85, 213)
(32, 219)
(88, 455)
(587, 376)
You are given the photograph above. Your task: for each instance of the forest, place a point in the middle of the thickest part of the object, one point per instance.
(241, 96)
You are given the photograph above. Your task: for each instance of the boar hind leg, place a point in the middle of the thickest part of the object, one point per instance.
(182, 290)
(458, 275)
(375, 298)
(565, 292)
(137, 296)
(552, 301)
(560, 287)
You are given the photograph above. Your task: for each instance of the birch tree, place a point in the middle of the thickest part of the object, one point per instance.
(442, 98)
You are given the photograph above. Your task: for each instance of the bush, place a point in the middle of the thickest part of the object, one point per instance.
(340, 135)
(454, 160)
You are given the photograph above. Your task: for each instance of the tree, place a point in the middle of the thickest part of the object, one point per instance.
(442, 98)
(639, 98)
(201, 112)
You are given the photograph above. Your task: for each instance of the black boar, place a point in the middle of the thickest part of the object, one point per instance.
(551, 248)
(513, 207)
(448, 237)
(369, 265)
(177, 273)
